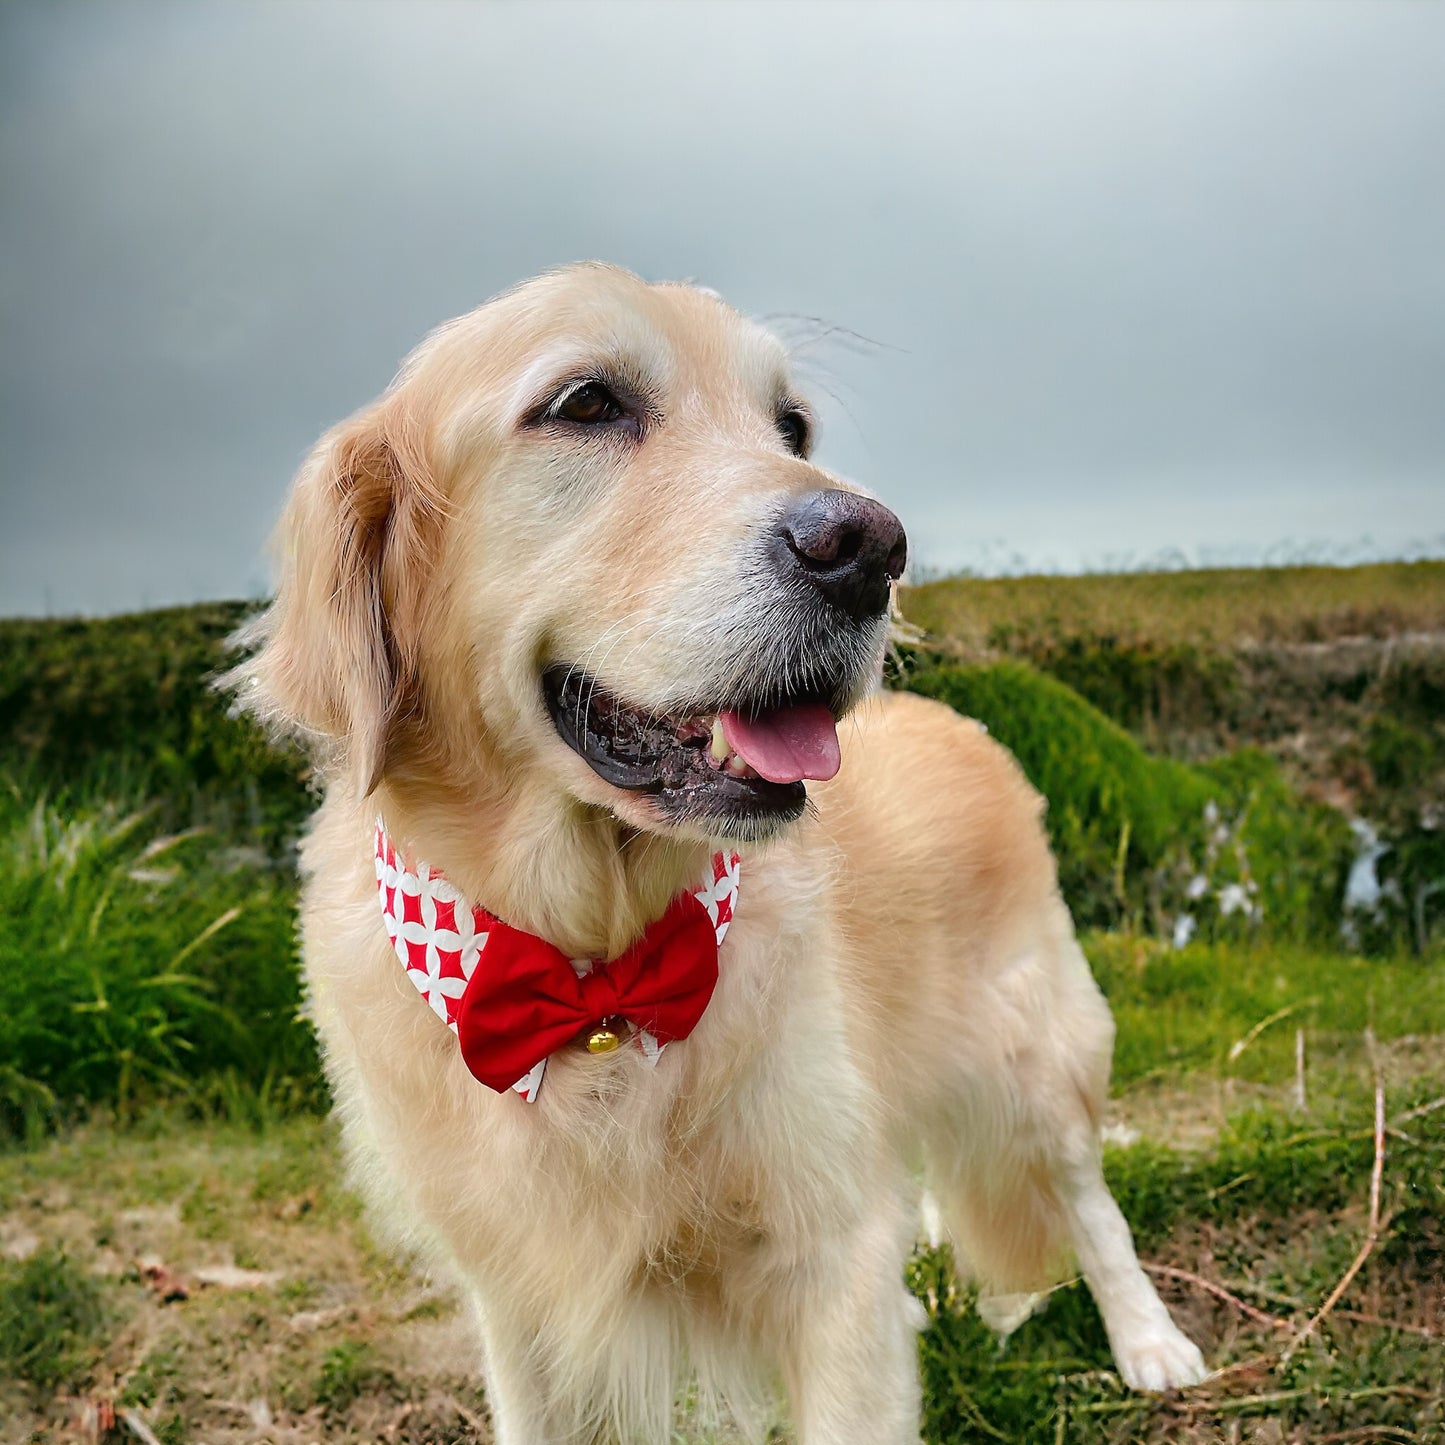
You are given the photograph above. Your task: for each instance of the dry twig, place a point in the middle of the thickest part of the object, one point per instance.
(1368, 1432)
(1422, 1109)
(1240, 1045)
(1372, 1233)
(138, 1427)
(469, 1417)
(1274, 1296)
(1165, 1271)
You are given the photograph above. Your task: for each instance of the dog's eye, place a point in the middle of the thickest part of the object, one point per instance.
(590, 405)
(793, 426)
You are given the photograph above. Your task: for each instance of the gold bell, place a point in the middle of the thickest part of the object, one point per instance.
(603, 1041)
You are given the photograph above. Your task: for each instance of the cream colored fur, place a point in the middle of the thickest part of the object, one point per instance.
(900, 995)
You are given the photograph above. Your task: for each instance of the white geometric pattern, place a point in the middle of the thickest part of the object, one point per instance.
(719, 896)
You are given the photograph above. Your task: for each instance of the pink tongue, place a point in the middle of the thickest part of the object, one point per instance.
(787, 744)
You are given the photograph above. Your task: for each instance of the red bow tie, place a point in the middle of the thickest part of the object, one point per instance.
(526, 1001)
(513, 999)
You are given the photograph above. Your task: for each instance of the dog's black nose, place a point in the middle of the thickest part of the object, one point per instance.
(849, 547)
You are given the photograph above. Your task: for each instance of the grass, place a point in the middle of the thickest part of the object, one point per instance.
(52, 1320)
(1226, 1178)
(137, 962)
(125, 705)
(329, 1338)
(1337, 675)
(1142, 839)
(1271, 1212)
(1220, 607)
(162, 1104)
(1184, 1012)
(168, 952)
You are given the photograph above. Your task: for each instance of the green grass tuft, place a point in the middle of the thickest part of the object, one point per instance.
(53, 1318)
(136, 963)
(348, 1371)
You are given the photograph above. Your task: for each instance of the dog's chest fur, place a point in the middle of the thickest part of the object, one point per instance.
(698, 1177)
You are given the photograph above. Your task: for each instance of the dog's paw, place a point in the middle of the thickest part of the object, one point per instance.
(1160, 1358)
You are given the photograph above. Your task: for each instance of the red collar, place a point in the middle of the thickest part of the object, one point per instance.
(529, 999)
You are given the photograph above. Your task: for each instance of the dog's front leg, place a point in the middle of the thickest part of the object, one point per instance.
(1151, 1351)
(517, 1393)
(850, 1354)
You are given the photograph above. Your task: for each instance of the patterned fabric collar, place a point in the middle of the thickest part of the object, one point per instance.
(509, 996)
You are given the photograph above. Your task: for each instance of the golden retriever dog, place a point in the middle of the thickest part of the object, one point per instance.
(570, 620)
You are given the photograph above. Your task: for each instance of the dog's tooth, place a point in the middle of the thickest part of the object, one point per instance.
(737, 767)
(719, 742)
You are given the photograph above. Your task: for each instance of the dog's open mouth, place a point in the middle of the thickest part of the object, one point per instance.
(746, 763)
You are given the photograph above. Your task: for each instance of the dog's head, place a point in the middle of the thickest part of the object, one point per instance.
(581, 537)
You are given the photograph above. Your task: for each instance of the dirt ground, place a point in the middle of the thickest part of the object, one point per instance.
(244, 1297)
(241, 1298)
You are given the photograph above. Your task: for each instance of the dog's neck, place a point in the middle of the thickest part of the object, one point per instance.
(569, 873)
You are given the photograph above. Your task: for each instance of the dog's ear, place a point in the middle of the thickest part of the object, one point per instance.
(336, 652)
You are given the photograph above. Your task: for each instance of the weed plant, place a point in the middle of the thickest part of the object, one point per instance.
(135, 962)
(348, 1371)
(1403, 749)
(1155, 689)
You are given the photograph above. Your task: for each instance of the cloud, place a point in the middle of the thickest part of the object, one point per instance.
(1139, 276)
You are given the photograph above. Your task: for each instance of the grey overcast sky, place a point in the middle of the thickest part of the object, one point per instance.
(1139, 280)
